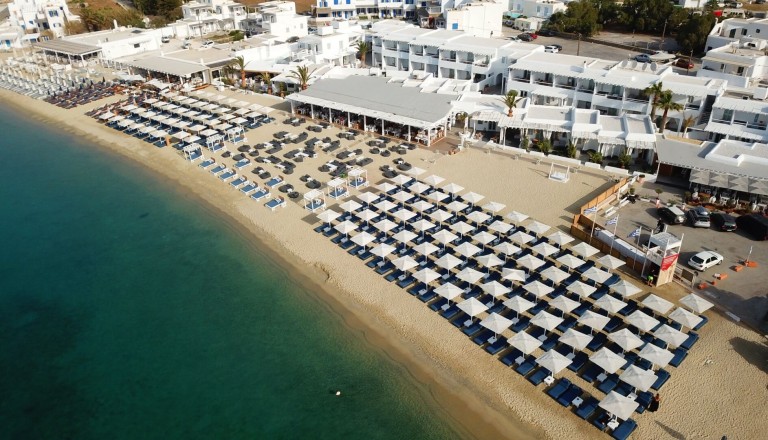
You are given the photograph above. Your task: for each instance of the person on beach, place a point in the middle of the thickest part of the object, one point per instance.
(654, 406)
(650, 283)
(658, 202)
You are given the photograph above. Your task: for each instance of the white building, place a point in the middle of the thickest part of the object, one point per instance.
(277, 18)
(334, 44)
(736, 51)
(120, 42)
(36, 16)
(481, 18)
(378, 8)
(536, 8)
(739, 116)
(206, 16)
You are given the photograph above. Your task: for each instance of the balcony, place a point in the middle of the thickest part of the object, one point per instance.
(481, 63)
(721, 121)
(432, 55)
(637, 98)
(418, 53)
(563, 86)
(760, 125)
(522, 79)
(542, 82)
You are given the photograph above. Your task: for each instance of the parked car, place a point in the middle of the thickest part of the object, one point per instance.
(722, 221)
(509, 23)
(671, 215)
(698, 217)
(546, 33)
(684, 63)
(186, 45)
(643, 58)
(525, 37)
(514, 39)
(207, 43)
(551, 49)
(166, 39)
(755, 225)
(705, 259)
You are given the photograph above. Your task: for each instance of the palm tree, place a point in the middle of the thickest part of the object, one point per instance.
(362, 49)
(511, 100)
(267, 79)
(239, 64)
(654, 90)
(666, 103)
(302, 75)
(688, 121)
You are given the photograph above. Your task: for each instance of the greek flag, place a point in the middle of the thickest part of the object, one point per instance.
(635, 233)
(591, 210)
(613, 221)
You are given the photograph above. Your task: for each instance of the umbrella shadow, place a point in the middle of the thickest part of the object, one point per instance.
(753, 352)
(674, 434)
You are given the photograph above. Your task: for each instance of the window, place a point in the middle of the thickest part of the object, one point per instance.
(349, 2)
(455, 26)
(137, 45)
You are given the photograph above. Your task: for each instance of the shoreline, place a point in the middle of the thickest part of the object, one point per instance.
(470, 415)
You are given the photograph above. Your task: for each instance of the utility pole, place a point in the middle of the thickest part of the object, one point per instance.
(578, 45)
(663, 34)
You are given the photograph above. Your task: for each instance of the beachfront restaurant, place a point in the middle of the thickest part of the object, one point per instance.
(169, 69)
(62, 50)
(376, 105)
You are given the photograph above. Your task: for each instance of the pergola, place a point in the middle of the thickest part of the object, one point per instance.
(314, 200)
(68, 49)
(357, 178)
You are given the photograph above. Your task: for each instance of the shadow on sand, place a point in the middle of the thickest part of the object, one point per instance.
(756, 353)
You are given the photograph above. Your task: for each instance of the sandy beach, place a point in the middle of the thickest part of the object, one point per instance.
(719, 390)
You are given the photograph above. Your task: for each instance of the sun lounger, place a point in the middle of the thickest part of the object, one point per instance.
(608, 384)
(591, 373)
(597, 341)
(680, 355)
(242, 164)
(217, 169)
(509, 358)
(538, 376)
(624, 430)
(644, 398)
(261, 194)
(248, 188)
(450, 312)
(237, 182)
(520, 325)
(692, 338)
(206, 163)
(587, 407)
(482, 337)
(275, 203)
(578, 361)
(226, 175)
(663, 377)
(459, 319)
(472, 329)
(572, 393)
(274, 182)
(439, 304)
(381, 270)
(704, 320)
(526, 366)
(500, 344)
(559, 388)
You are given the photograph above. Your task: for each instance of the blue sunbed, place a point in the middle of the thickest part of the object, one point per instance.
(663, 377)
(497, 346)
(559, 388)
(609, 383)
(704, 320)
(587, 407)
(226, 175)
(260, 194)
(206, 163)
(275, 203)
(526, 367)
(623, 431)
(250, 187)
(591, 372)
(538, 376)
(567, 397)
(217, 169)
(451, 312)
(680, 355)
(578, 361)
(482, 337)
(692, 338)
(242, 164)
(237, 182)
(509, 358)
(472, 329)
(274, 182)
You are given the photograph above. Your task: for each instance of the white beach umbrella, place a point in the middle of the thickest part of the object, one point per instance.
(421, 206)
(494, 207)
(363, 239)
(657, 304)
(560, 238)
(456, 206)
(610, 262)
(385, 206)
(582, 289)
(440, 215)
(462, 228)
(506, 248)
(593, 320)
(685, 318)
(437, 196)
(516, 275)
(469, 275)
(404, 215)
(518, 304)
(385, 187)
(444, 236)
(524, 342)
(496, 323)
(489, 260)
(483, 237)
(433, 180)
(570, 261)
(368, 197)
(401, 179)
(696, 303)
(500, 227)
(618, 405)
(472, 307)
(478, 217)
(350, 205)
(583, 249)
(426, 248)
(346, 227)
(638, 378)
(385, 225)
(418, 187)
(405, 263)
(426, 275)
(402, 196)
(564, 304)
(553, 361)
(472, 197)
(422, 225)
(670, 335)
(495, 289)
(517, 217)
(596, 275)
(449, 291)
(625, 339)
(642, 321)
(382, 250)
(576, 339)
(404, 236)
(625, 288)
(467, 249)
(529, 262)
(521, 238)
(607, 360)
(416, 171)
(538, 289)
(656, 355)
(546, 320)
(555, 275)
(544, 249)
(448, 261)
(453, 188)
(538, 228)
(366, 215)
(610, 304)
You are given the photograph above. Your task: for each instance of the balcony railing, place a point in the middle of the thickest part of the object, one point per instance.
(564, 86)
(721, 121)
(482, 63)
(757, 125)
(447, 58)
(543, 82)
(521, 79)
(418, 53)
(585, 89)
(637, 99)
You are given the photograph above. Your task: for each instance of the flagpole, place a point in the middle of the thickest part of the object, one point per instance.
(594, 220)
(615, 226)
(647, 248)
(637, 244)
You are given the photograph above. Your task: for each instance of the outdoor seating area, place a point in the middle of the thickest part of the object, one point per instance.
(535, 298)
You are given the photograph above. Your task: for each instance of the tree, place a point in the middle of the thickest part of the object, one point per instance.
(267, 79)
(545, 146)
(362, 49)
(302, 75)
(239, 64)
(666, 103)
(652, 16)
(570, 150)
(511, 100)
(581, 17)
(693, 33)
(654, 90)
(688, 121)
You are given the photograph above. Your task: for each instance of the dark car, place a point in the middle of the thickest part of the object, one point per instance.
(547, 33)
(723, 221)
(684, 63)
(671, 215)
(755, 225)
(525, 37)
(698, 217)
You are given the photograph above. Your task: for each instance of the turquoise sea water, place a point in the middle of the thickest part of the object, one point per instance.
(129, 311)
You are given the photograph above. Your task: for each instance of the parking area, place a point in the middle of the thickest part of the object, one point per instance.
(744, 293)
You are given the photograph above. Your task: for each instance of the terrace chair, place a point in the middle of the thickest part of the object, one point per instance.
(567, 397)
(587, 407)
(539, 375)
(559, 388)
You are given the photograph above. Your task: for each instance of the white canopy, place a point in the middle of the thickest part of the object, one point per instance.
(518, 304)
(608, 360)
(670, 335)
(524, 342)
(517, 217)
(576, 339)
(448, 261)
(581, 289)
(405, 263)
(657, 304)
(685, 318)
(625, 339)
(656, 355)
(496, 323)
(530, 262)
(584, 249)
(570, 261)
(618, 405)
(696, 303)
(449, 291)
(638, 378)
(642, 321)
(564, 303)
(593, 320)
(546, 320)
(610, 262)
(472, 307)
(560, 238)
(553, 361)
(610, 304)
(625, 288)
